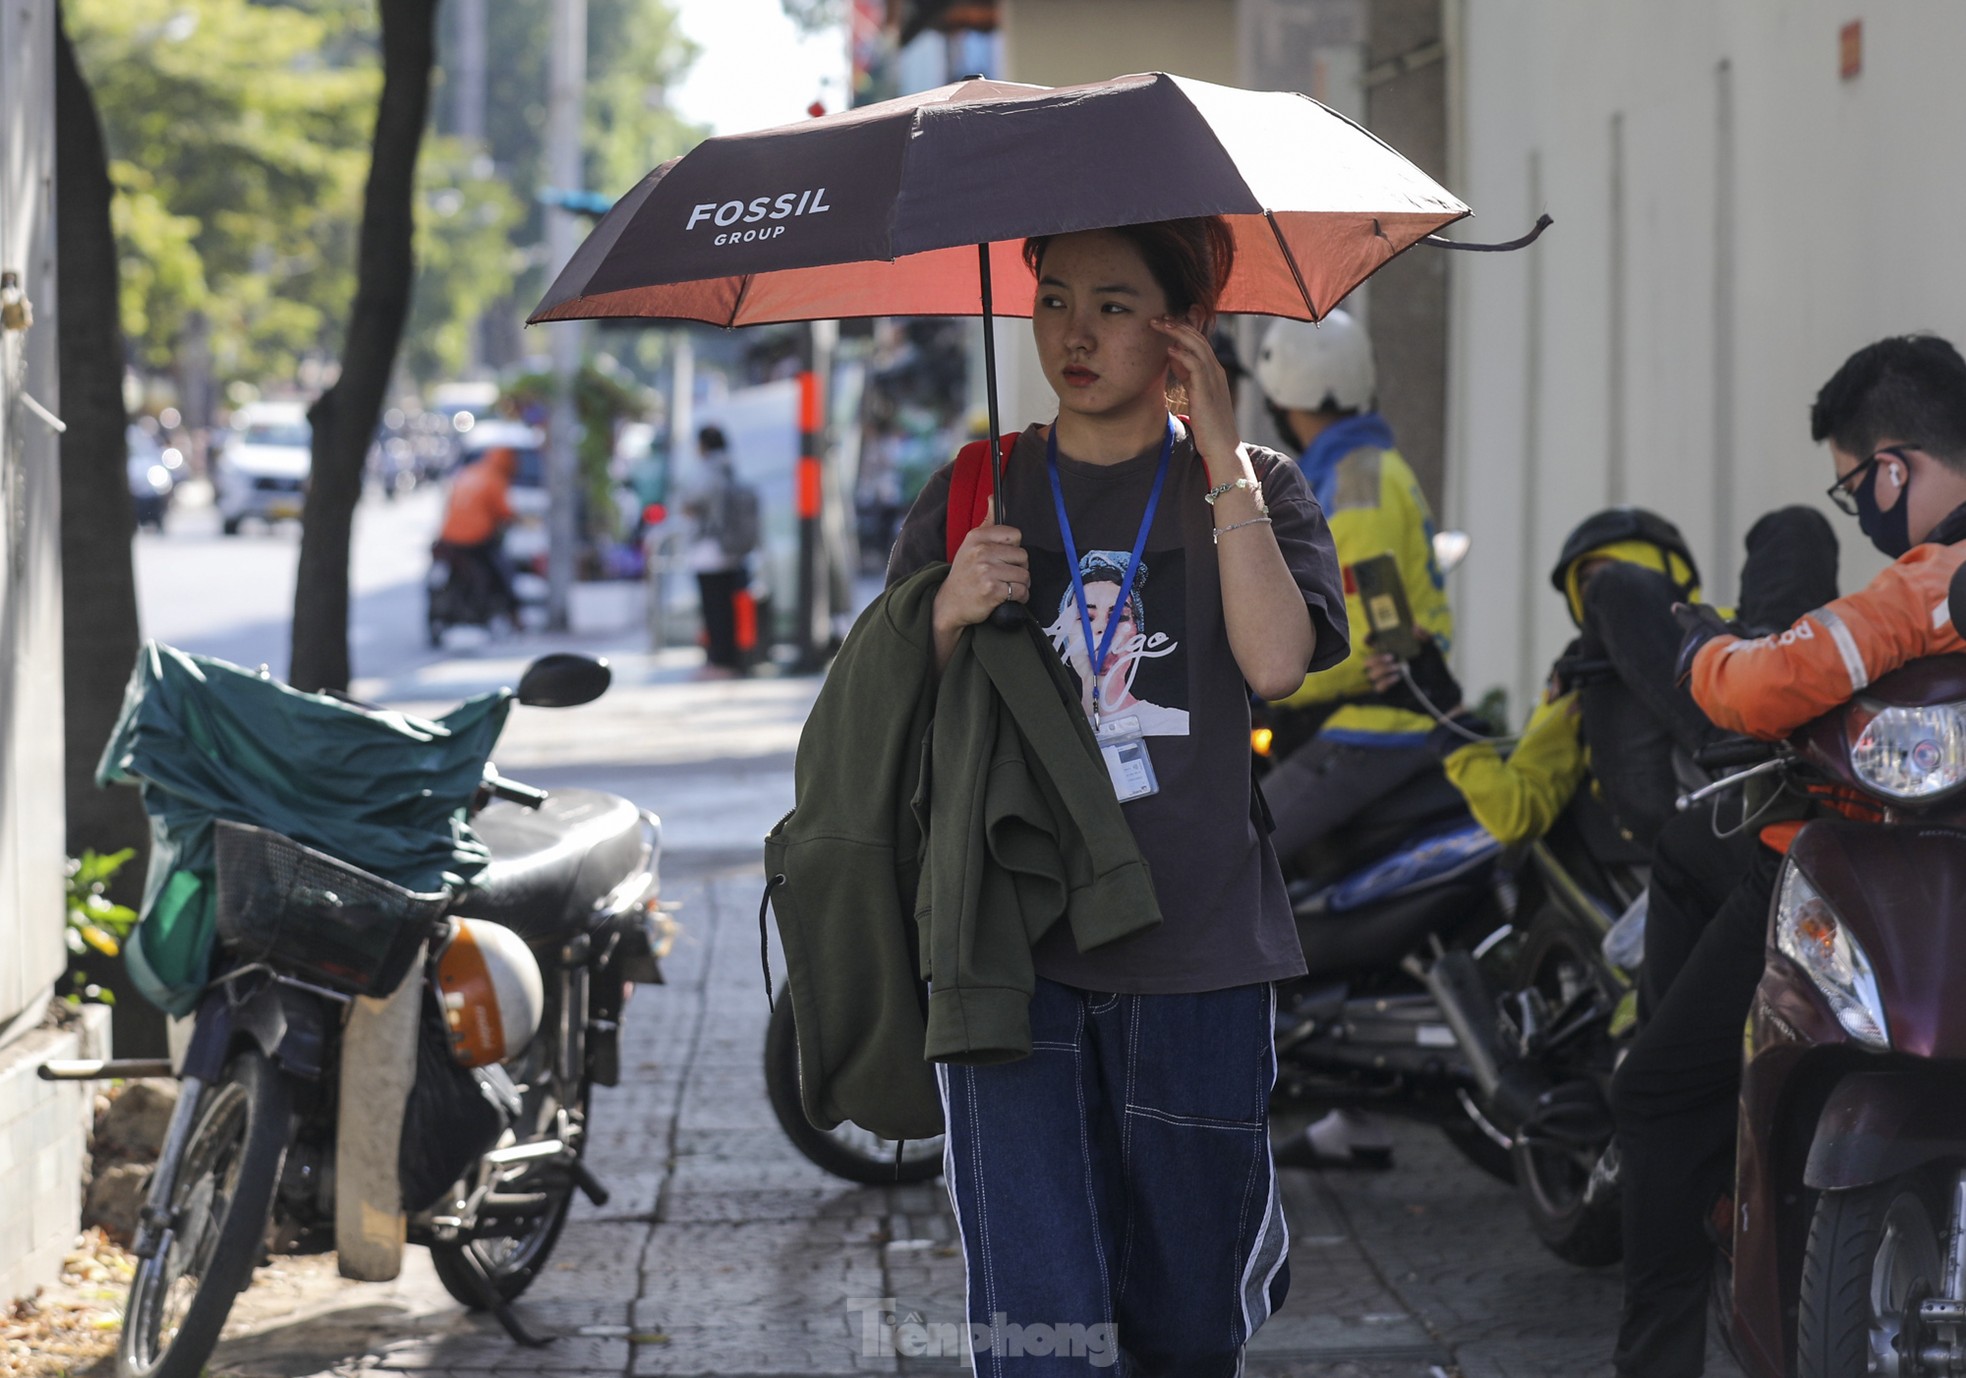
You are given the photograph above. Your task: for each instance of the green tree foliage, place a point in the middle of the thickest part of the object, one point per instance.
(465, 257)
(635, 52)
(604, 396)
(813, 15)
(238, 136)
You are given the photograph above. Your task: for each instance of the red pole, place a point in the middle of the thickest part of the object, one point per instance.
(812, 637)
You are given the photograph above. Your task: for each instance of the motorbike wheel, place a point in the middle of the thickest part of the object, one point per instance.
(181, 1294)
(847, 1151)
(1873, 1256)
(511, 1262)
(1578, 1225)
(1479, 1149)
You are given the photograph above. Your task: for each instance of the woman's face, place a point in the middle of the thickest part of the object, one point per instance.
(1094, 299)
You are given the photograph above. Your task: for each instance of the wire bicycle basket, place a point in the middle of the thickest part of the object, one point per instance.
(303, 911)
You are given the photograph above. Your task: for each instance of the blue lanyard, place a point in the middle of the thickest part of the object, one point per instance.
(1132, 564)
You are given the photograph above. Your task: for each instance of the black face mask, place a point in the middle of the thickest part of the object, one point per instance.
(1889, 531)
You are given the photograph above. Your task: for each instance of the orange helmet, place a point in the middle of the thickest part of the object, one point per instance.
(488, 982)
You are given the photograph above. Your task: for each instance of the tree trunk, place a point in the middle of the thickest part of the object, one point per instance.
(345, 417)
(98, 521)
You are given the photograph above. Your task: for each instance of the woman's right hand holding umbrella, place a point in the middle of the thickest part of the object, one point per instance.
(991, 567)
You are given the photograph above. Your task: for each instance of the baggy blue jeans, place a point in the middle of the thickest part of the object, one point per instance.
(1115, 1190)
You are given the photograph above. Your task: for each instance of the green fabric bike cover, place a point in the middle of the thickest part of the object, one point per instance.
(205, 740)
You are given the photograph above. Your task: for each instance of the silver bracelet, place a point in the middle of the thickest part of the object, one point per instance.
(1237, 526)
(1219, 489)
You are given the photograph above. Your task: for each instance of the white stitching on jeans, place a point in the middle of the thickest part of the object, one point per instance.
(1274, 1212)
(1130, 1026)
(983, 1217)
(949, 1180)
(1193, 1121)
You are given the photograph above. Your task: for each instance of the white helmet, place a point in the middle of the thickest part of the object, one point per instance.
(493, 998)
(1306, 367)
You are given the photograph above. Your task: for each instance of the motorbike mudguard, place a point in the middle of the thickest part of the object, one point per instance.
(1881, 1124)
(291, 1027)
(378, 1067)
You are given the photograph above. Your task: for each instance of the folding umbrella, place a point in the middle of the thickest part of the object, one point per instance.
(913, 206)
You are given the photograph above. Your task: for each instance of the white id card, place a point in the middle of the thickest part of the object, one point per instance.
(1127, 761)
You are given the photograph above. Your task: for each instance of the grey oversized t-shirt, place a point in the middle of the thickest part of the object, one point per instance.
(1225, 917)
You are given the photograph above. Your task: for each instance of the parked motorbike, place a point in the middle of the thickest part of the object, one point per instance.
(1417, 932)
(515, 1011)
(1844, 1241)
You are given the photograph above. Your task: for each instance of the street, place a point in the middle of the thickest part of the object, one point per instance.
(723, 1251)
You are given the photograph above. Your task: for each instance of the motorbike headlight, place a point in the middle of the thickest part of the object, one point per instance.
(1809, 934)
(1912, 753)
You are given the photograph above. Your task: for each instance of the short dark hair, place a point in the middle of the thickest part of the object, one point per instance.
(1190, 259)
(711, 438)
(1909, 387)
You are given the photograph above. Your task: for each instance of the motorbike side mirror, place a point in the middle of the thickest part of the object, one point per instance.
(1956, 596)
(564, 680)
(1450, 548)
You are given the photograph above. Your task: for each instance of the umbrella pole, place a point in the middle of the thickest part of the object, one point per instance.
(990, 385)
(1005, 614)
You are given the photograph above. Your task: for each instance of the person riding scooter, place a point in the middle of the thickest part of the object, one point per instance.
(1319, 384)
(1895, 418)
(475, 518)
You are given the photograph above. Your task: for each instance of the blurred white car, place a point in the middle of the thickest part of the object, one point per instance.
(262, 469)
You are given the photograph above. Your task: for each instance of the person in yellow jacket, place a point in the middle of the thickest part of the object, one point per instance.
(1319, 383)
(1518, 795)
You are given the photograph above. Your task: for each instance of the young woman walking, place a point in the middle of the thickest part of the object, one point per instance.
(1115, 1189)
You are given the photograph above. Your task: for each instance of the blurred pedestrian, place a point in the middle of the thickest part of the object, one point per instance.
(725, 512)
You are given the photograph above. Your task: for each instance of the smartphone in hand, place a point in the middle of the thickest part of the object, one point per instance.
(1389, 621)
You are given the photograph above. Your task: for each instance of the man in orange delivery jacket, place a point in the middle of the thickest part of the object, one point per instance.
(475, 518)
(1895, 419)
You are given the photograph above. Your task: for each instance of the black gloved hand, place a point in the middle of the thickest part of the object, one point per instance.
(1700, 624)
(1431, 676)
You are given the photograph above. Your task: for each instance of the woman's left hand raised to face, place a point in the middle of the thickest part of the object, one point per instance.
(1211, 406)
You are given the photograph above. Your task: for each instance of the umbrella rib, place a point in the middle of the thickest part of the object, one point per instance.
(737, 307)
(1291, 260)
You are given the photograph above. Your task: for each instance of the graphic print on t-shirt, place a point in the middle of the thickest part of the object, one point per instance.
(1145, 674)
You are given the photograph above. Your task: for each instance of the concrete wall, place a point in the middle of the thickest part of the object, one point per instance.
(43, 1135)
(1734, 217)
(37, 1121)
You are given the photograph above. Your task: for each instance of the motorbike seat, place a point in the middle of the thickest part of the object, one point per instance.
(551, 864)
(1379, 829)
(1379, 935)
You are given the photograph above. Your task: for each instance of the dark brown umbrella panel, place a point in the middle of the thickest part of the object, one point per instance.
(879, 211)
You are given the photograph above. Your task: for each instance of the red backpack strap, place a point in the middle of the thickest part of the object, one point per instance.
(971, 486)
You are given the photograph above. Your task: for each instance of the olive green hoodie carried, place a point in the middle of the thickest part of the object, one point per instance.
(941, 827)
